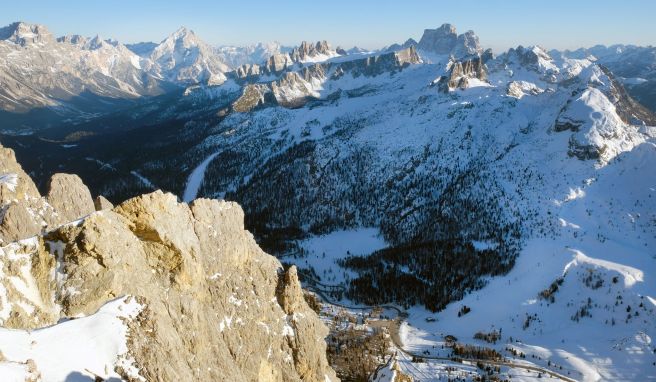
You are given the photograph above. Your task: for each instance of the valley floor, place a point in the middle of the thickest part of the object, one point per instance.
(581, 331)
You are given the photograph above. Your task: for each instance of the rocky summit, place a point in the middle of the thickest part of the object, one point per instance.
(192, 294)
(445, 40)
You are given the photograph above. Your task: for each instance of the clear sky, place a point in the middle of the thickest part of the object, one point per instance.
(500, 24)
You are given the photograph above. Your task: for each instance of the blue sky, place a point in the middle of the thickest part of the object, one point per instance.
(500, 24)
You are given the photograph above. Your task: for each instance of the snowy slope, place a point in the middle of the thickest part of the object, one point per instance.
(79, 349)
(600, 323)
(547, 142)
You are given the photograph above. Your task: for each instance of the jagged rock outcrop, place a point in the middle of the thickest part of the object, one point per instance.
(70, 197)
(247, 70)
(295, 88)
(535, 59)
(214, 306)
(394, 47)
(253, 96)
(279, 62)
(518, 89)
(445, 40)
(24, 212)
(461, 72)
(25, 34)
(101, 203)
(308, 50)
(18, 223)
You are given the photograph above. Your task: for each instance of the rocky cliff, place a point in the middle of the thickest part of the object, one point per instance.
(296, 88)
(199, 299)
(445, 40)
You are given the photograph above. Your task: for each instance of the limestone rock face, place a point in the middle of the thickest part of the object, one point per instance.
(215, 306)
(23, 212)
(18, 223)
(252, 97)
(295, 88)
(25, 34)
(70, 197)
(307, 50)
(445, 40)
(305, 324)
(441, 40)
(101, 203)
(460, 72)
(15, 184)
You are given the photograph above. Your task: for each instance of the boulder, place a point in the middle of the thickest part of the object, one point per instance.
(15, 184)
(70, 197)
(18, 223)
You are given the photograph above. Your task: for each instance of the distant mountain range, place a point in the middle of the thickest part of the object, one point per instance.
(511, 191)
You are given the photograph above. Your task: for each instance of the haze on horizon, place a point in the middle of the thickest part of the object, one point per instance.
(558, 24)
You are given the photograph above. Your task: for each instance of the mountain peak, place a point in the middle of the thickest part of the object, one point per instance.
(185, 34)
(445, 40)
(74, 39)
(23, 33)
(308, 51)
(183, 57)
(446, 28)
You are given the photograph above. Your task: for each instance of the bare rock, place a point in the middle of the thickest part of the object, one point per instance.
(18, 223)
(445, 40)
(460, 72)
(213, 309)
(290, 294)
(23, 211)
(70, 197)
(27, 301)
(307, 50)
(15, 184)
(101, 203)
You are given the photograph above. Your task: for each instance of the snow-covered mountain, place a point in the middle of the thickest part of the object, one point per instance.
(497, 174)
(39, 71)
(184, 58)
(235, 56)
(520, 187)
(635, 65)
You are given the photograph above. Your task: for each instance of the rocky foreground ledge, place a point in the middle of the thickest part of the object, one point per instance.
(161, 290)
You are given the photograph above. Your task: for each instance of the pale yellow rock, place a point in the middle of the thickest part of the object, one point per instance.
(12, 173)
(18, 223)
(216, 307)
(19, 202)
(213, 297)
(70, 197)
(101, 203)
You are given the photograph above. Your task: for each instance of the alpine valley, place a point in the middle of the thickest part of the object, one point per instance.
(428, 211)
